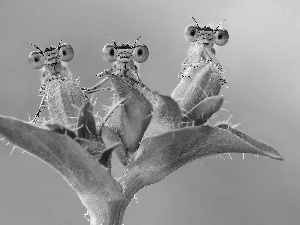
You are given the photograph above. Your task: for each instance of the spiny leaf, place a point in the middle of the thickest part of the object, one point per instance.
(92, 146)
(251, 140)
(64, 99)
(82, 172)
(90, 138)
(132, 119)
(105, 158)
(86, 125)
(60, 129)
(160, 155)
(204, 84)
(200, 113)
(166, 116)
(186, 80)
(91, 181)
(110, 138)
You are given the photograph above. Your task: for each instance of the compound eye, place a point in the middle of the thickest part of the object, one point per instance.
(191, 33)
(221, 37)
(36, 60)
(109, 53)
(66, 52)
(140, 53)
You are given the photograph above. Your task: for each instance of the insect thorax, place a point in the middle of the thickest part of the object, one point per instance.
(54, 70)
(199, 52)
(126, 69)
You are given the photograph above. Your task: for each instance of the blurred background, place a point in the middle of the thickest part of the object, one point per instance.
(262, 94)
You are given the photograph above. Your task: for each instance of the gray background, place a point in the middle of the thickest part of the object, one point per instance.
(263, 95)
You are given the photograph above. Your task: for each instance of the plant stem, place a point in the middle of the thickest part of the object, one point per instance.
(132, 182)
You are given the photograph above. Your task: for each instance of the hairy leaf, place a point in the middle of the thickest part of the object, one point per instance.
(200, 113)
(166, 116)
(160, 155)
(132, 119)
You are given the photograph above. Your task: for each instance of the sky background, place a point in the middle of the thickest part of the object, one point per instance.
(263, 95)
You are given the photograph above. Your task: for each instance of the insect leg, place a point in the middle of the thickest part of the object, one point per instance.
(104, 73)
(42, 89)
(96, 87)
(111, 112)
(39, 112)
(136, 74)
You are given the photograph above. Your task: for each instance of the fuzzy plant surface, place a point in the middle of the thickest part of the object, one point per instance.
(152, 139)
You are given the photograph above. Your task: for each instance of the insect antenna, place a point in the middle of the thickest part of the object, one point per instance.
(115, 44)
(136, 41)
(220, 24)
(195, 22)
(59, 44)
(40, 51)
